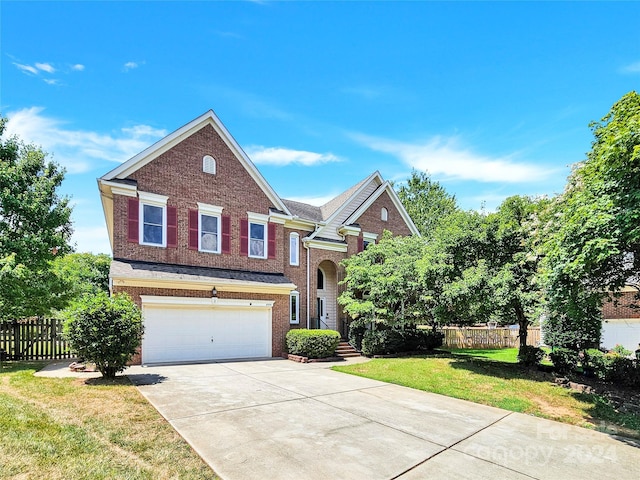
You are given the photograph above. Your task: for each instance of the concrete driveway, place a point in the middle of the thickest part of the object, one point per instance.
(278, 419)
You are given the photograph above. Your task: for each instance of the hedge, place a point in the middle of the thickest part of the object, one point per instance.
(313, 343)
(389, 342)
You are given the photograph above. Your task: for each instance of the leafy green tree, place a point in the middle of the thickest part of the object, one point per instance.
(480, 267)
(382, 284)
(426, 202)
(592, 246)
(104, 330)
(86, 273)
(35, 227)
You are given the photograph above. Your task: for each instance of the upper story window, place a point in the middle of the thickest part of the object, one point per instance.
(209, 228)
(384, 214)
(257, 236)
(294, 248)
(257, 239)
(368, 238)
(209, 164)
(153, 219)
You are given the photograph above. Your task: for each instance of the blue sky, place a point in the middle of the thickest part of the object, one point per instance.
(492, 99)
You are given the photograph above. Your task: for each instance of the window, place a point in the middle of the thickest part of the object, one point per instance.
(152, 224)
(368, 238)
(209, 228)
(209, 164)
(294, 308)
(153, 216)
(320, 282)
(294, 247)
(384, 214)
(257, 240)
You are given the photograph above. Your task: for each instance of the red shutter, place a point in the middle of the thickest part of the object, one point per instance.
(244, 237)
(272, 240)
(133, 220)
(226, 234)
(172, 227)
(360, 244)
(193, 229)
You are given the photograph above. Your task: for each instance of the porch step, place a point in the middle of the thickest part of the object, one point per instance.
(345, 350)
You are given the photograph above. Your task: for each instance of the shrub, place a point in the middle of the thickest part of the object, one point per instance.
(312, 343)
(565, 360)
(357, 329)
(612, 367)
(530, 355)
(104, 330)
(620, 350)
(391, 341)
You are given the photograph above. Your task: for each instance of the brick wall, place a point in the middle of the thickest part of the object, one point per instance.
(370, 221)
(279, 313)
(178, 174)
(623, 308)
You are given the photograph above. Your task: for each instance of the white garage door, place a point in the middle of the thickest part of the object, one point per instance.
(192, 334)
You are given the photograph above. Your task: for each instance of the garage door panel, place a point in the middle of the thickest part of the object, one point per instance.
(201, 334)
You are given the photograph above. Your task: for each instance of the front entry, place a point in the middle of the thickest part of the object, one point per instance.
(322, 312)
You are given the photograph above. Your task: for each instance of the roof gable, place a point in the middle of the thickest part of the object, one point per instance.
(165, 144)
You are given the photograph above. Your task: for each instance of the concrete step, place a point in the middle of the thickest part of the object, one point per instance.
(345, 350)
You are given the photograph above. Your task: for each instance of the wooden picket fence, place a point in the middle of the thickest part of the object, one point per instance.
(485, 337)
(33, 339)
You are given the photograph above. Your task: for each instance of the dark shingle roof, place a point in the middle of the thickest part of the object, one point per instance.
(163, 271)
(303, 210)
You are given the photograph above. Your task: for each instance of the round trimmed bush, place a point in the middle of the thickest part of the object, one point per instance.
(312, 343)
(104, 330)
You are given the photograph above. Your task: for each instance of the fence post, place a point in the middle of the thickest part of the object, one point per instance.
(16, 339)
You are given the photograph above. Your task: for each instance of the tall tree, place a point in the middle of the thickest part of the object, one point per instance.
(592, 247)
(85, 272)
(34, 228)
(426, 202)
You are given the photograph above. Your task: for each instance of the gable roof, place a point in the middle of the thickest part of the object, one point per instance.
(385, 187)
(208, 118)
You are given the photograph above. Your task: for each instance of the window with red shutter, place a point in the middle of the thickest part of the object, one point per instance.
(360, 244)
(226, 234)
(133, 220)
(172, 227)
(193, 229)
(272, 240)
(244, 237)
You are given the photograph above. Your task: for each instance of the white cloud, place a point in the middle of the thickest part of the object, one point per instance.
(52, 81)
(284, 156)
(631, 68)
(78, 67)
(79, 150)
(45, 67)
(130, 66)
(91, 239)
(27, 68)
(447, 157)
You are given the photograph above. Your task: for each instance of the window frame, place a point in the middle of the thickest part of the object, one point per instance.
(157, 201)
(263, 220)
(294, 237)
(384, 214)
(215, 212)
(368, 238)
(295, 294)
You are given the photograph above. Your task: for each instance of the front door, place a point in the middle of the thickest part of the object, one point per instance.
(322, 312)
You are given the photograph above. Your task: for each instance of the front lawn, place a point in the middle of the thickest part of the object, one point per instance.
(502, 385)
(62, 428)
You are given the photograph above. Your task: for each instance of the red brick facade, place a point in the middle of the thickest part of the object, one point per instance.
(177, 173)
(627, 306)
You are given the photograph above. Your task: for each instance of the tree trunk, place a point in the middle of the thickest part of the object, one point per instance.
(523, 323)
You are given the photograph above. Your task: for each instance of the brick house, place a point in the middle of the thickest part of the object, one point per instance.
(221, 266)
(621, 320)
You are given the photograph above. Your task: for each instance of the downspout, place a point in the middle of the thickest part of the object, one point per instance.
(306, 246)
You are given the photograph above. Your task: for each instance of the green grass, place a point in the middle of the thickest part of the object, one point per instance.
(507, 355)
(499, 384)
(61, 428)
